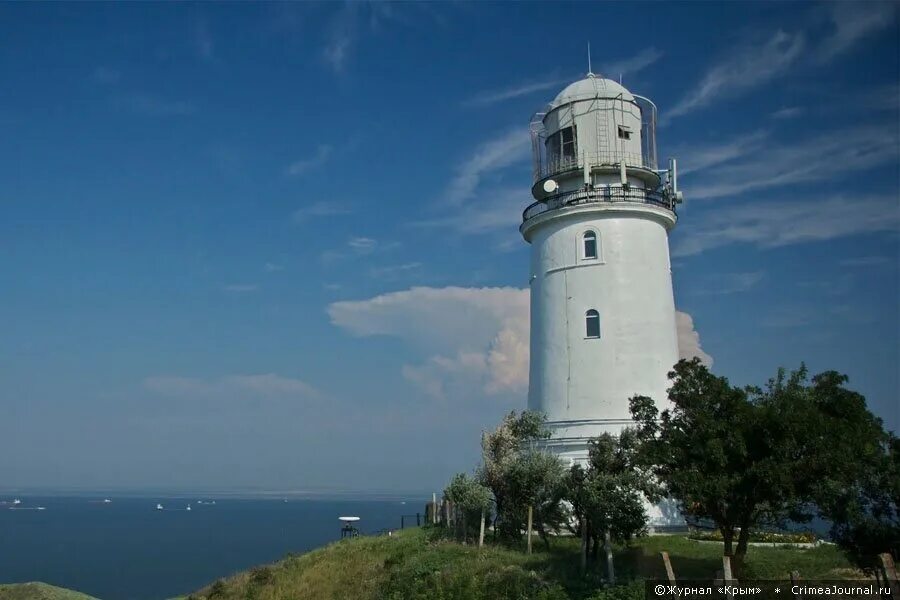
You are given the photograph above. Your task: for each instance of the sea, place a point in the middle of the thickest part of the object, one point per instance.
(126, 549)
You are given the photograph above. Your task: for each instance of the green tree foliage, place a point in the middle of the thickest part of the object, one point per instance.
(607, 494)
(471, 501)
(520, 474)
(755, 456)
(866, 516)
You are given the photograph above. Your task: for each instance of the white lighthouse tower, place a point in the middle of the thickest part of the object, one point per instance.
(602, 309)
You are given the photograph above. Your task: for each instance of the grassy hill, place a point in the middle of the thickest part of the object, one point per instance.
(39, 591)
(416, 563)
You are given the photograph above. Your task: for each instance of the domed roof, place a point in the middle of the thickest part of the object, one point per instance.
(590, 87)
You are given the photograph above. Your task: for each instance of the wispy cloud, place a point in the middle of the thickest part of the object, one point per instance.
(241, 288)
(305, 165)
(106, 75)
(629, 66)
(732, 283)
(272, 267)
(626, 66)
(853, 22)
(204, 43)
(356, 246)
(825, 157)
(788, 112)
(497, 209)
(261, 385)
(698, 158)
(488, 97)
(320, 209)
(775, 224)
(497, 153)
(153, 105)
(350, 22)
(391, 271)
(867, 261)
(749, 67)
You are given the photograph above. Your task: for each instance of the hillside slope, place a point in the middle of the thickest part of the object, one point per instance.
(416, 564)
(39, 591)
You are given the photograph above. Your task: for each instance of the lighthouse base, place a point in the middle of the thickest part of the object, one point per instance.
(573, 449)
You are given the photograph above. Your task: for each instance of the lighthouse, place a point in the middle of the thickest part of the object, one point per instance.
(602, 308)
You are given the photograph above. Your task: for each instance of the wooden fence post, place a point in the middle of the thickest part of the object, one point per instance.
(890, 572)
(670, 573)
(795, 580)
(726, 574)
(607, 541)
(481, 530)
(530, 515)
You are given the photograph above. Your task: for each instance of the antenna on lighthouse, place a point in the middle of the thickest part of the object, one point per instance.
(590, 73)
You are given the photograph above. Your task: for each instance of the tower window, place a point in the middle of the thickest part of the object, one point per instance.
(624, 132)
(590, 244)
(592, 322)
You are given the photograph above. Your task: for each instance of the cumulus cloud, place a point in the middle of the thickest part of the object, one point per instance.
(689, 339)
(474, 335)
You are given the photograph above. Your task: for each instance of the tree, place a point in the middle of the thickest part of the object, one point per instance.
(754, 456)
(866, 516)
(520, 473)
(471, 499)
(607, 495)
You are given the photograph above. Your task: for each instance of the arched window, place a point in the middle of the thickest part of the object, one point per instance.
(592, 322)
(590, 244)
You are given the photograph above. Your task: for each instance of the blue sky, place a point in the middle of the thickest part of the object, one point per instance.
(275, 246)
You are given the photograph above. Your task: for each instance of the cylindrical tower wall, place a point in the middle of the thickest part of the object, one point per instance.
(583, 383)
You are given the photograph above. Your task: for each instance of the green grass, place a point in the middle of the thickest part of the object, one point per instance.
(416, 563)
(38, 591)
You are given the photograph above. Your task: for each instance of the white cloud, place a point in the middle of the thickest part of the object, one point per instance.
(363, 245)
(241, 287)
(305, 165)
(853, 22)
(788, 112)
(817, 159)
(153, 106)
(491, 156)
(390, 271)
(733, 283)
(497, 209)
(698, 158)
(783, 223)
(478, 335)
(272, 267)
(749, 67)
(320, 209)
(866, 261)
(261, 385)
(689, 339)
(628, 66)
(206, 49)
(489, 97)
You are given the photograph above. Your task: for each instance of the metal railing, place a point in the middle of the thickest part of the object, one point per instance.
(605, 194)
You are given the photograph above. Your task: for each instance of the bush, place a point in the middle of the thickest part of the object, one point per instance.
(769, 537)
(629, 591)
